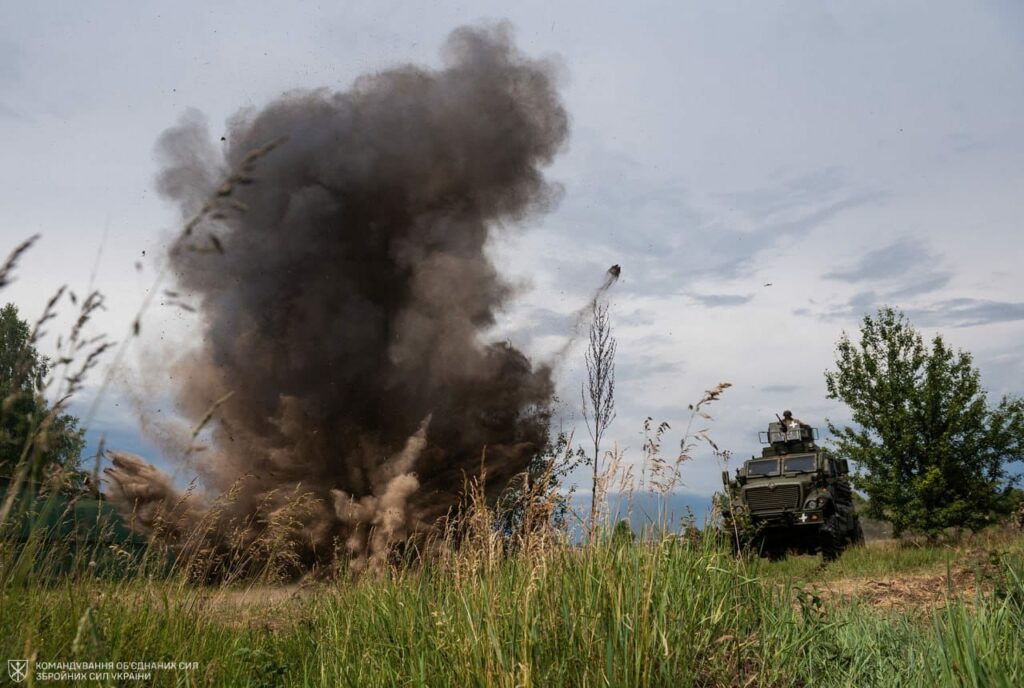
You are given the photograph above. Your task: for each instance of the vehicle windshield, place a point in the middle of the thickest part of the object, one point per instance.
(799, 464)
(770, 467)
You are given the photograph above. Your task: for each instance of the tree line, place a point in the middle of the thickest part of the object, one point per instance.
(35, 437)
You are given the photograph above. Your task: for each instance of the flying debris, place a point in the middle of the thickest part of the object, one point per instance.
(581, 319)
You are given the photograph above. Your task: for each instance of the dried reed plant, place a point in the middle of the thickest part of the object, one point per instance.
(598, 394)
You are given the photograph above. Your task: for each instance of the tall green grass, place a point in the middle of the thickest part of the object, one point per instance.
(662, 614)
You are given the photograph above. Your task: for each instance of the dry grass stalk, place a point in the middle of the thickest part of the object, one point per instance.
(9, 265)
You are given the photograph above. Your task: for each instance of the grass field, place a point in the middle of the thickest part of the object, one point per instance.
(666, 613)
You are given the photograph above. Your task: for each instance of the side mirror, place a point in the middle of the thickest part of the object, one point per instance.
(725, 478)
(844, 467)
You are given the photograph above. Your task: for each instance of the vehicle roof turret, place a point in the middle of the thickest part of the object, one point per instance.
(788, 437)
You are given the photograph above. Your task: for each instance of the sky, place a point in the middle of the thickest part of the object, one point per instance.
(765, 173)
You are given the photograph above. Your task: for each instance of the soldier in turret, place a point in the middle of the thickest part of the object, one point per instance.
(789, 421)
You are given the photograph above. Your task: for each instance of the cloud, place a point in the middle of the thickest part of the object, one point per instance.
(780, 389)
(907, 261)
(958, 312)
(668, 237)
(10, 113)
(638, 367)
(1001, 370)
(802, 225)
(923, 285)
(966, 312)
(10, 61)
(727, 252)
(900, 271)
(884, 263)
(718, 300)
(807, 189)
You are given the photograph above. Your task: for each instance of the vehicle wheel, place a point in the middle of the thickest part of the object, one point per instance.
(830, 538)
(771, 546)
(858, 534)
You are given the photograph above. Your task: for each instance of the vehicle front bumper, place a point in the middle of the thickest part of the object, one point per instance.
(810, 517)
(783, 519)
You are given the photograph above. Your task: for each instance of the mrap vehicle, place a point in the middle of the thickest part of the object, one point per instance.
(795, 497)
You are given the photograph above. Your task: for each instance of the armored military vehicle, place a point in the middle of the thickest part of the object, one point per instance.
(795, 496)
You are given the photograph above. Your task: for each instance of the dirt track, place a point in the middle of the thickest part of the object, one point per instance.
(909, 591)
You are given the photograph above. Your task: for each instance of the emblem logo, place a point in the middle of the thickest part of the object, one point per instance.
(17, 669)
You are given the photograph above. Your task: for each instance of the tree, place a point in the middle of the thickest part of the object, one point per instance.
(622, 534)
(599, 392)
(931, 453)
(31, 432)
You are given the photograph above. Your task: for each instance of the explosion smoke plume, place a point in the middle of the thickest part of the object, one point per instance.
(346, 309)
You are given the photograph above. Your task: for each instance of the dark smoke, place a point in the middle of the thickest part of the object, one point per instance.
(346, 310)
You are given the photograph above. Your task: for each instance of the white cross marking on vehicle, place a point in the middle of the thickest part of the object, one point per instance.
(803, 518)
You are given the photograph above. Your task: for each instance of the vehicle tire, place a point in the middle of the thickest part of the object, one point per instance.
(830, 538)
(857, 539)
(771, 546)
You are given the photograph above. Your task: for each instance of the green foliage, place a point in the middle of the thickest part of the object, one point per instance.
(931, 452)
(266, 668)
(30, 431)
(536, 490)
(623, 535)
